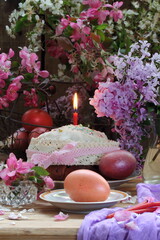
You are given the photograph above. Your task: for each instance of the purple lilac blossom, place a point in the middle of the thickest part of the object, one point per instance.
(125, 100)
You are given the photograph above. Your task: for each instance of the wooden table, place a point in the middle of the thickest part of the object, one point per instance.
(41, 225)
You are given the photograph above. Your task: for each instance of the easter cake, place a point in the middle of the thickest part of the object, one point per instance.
(68, 148)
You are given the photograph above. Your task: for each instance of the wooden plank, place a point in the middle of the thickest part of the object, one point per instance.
(31, 237)
(41, 225)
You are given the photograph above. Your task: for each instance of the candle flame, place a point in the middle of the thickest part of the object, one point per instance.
(75, 101)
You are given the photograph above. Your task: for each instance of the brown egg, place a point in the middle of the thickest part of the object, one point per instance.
(117, 164)
(86, 186)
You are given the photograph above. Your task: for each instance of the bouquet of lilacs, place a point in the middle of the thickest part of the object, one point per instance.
(133, 97)
(16, 170)
(24, 77)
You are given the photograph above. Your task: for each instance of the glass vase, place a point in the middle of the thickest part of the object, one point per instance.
(24, 193)
(151, 168)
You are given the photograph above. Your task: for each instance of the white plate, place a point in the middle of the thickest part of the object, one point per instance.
(117, 183)
(60, 199)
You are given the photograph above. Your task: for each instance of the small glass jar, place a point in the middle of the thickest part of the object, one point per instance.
(151, 168)
(24, 193)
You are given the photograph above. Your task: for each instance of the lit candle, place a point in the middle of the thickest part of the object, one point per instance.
(75, 107)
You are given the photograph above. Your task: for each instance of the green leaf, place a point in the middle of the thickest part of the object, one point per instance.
(14, 65)
(28, 77)
(40, 171)
(101, 27)
(41, 96)
(21, 23)
(32, 178)
(68, 31)
(101, 34)
(39, 181)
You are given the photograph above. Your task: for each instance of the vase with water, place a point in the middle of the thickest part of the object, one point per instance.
(151, 168)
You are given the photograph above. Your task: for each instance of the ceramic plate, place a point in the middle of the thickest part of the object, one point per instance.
(60, 199)
(117, 183)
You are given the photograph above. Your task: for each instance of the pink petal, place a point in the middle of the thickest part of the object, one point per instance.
(117, 4)
(12, 173)
(132, 225)
(4, 173)
(122, 215)
(108, 5)
(44, 73)
(61, 216)
(59, 30)
(157, 210)
(2, 212)
(11, 53)
(70, 146)
(33, 57)
(24, 167)
(149, 199)
(12, 161)
(49, 182)
(13, 216)
(86, 30)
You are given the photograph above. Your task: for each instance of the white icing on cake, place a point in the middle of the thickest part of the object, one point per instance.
(86, 139)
